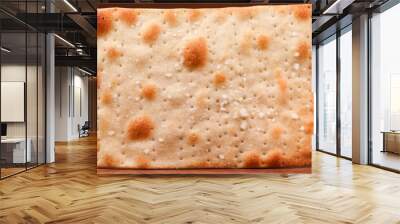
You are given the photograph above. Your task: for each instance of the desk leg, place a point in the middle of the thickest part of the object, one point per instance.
(384, 142)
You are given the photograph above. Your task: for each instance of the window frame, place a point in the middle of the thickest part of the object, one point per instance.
(334, 37)
(378, 10)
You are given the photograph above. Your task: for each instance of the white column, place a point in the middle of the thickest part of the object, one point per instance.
(50, 93)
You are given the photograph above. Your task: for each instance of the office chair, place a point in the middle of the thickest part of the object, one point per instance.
(84, 130)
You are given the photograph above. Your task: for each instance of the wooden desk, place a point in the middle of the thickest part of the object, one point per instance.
(16, 147)
(391, 141)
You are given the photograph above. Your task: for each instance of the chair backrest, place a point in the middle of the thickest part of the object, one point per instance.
(86, 124)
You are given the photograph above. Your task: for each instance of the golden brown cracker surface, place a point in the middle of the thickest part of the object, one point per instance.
(205, 88)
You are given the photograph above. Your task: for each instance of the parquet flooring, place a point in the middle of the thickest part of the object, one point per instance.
(10, 171)
(69, 191)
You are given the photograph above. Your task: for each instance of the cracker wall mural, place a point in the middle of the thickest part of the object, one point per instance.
(205, 88)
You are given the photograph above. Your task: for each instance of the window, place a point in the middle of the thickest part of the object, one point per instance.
(385, 89)
(327, 96)
(22, 77)
(346, 92)
(314, 74)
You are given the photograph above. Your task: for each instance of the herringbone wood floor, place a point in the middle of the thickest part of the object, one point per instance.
(69, 191)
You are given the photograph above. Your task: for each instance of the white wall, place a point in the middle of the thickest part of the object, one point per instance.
(81, 84)
(33, 127)
(15, 72)
(70, 84)
(62, 82)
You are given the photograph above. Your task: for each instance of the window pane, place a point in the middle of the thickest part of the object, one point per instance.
(386, 89)
(15, 151)
(31, 99)
(314, 65)
(346, 93)
(327, 96)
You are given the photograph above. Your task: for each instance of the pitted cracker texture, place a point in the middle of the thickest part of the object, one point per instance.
(205, 88)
